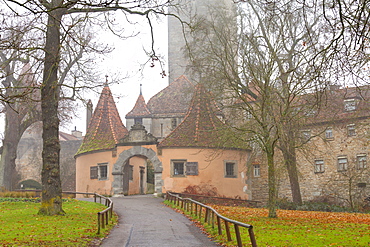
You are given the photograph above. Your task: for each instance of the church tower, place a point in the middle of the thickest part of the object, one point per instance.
(178, 33)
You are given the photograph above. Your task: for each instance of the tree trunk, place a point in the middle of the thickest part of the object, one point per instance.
(12, 136)
(290, 160)
(272, 184)
(51, 203)
(291, 165)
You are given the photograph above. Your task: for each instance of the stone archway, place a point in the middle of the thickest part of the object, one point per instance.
(117, 173)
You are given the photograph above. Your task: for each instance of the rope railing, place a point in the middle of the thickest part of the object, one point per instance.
(209, 214)
(103, 216)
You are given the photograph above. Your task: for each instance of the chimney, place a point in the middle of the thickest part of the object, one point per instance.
(76, 133)
(89, 111)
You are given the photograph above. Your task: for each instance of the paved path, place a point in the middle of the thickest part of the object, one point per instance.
(145, 221)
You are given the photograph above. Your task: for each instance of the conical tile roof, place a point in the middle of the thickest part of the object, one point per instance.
(201, 128)
(140, 109)
(105, 128)
(174, 99)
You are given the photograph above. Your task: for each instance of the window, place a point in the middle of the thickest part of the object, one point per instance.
(306, 135)
(173, 123)
(192, 168)
(99, 172)
(256, 170)
(351, 130)
(342, 164)
(319, 166)
(230, 169)
(178, 168)
(93, 172)
(329, 133)
(138, 120)
(103, 171)
(349, 105)
(361, 161)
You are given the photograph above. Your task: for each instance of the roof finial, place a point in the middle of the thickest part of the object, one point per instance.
(141, 89)
(106, 80)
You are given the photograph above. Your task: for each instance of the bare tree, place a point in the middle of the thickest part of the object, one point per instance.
(21, 96)
(56, 12)
(261, 69)
(19, 91)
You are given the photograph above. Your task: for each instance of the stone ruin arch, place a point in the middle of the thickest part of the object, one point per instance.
(117, 173)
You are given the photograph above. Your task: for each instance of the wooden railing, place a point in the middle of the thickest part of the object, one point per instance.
(103, 216)
(221, 200)
(200, 210)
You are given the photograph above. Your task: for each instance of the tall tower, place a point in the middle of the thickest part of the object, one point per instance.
(178, 33)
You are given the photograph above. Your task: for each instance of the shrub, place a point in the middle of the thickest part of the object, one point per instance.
(285, 203)
(323, 203)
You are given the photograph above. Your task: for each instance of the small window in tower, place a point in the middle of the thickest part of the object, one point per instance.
(173, 123)
(138, 120)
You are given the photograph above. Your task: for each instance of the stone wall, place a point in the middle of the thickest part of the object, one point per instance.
(339, 186)
(29, 160)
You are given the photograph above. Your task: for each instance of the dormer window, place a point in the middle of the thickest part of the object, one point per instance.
(349, 105)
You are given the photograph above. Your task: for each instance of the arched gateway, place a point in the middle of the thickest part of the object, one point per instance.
(118, 168)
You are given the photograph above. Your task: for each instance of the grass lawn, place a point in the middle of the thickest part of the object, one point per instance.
(22, 226)
(297, 228)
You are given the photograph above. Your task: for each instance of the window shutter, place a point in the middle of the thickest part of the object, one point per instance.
(192, 168)
(93, 172)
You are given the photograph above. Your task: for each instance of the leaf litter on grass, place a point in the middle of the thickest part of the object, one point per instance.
(302, 228)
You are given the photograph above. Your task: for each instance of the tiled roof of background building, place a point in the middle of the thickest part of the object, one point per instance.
(175, 98)
(330, 105)
(201, 127)
(105, 128)
(67, 137)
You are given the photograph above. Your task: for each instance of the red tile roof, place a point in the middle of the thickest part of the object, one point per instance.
(201, 127)
(174, 99)
(140, 109)
(331, 104)
(105, 128)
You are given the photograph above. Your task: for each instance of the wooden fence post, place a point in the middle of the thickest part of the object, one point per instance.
(219, 225)
(98, 222)
(227, 230)
(237, 233)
